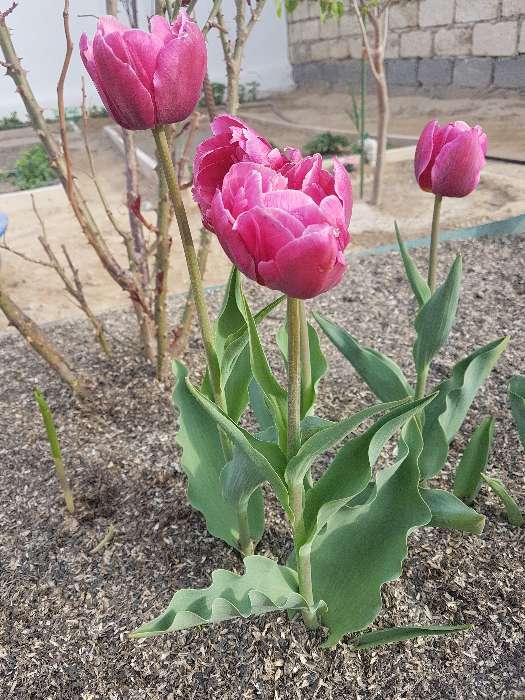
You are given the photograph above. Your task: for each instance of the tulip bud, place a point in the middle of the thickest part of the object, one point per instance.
(449, 159)
(146, 79)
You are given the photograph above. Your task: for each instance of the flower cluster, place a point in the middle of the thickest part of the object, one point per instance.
(280, 218)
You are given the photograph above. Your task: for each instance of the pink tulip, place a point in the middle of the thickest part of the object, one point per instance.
(449, 159)
(143, 78)
(285, 230)
(232, 142)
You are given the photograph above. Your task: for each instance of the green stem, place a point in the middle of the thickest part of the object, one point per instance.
(306, 365)
(191, 262)
(294, 376)
(421, 382)
(434, 242)
(304, 572)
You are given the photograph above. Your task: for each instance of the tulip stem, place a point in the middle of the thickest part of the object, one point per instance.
(294, 376)
(434, 242)
(306, 364)
(191, 262)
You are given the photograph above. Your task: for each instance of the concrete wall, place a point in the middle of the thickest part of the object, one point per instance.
(467, 43)
(38, 37)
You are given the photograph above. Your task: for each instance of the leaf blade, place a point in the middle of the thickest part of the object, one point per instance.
(514, 515)
(451, 513)
(474, 461)
(417, 283)
(391, 635)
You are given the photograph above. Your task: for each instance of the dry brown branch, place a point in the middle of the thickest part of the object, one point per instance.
(42, 344)
(23, 256)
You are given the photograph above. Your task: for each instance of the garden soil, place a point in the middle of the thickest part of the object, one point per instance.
(66, 608)
(39, 292)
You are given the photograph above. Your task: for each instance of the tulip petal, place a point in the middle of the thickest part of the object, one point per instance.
(133, 106)
(143, 49)
(423, 156)
(307, 266)
(264, 232)
(160, 27)
(221, 222)
(343, 189)
(332, 209)
(107, 24)
(297, 203)
(177, 81)
(456, 170)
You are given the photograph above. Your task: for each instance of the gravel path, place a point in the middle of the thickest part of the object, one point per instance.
(65, 612)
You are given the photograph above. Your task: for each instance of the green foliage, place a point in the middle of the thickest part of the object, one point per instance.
(264, 587)
(33, 169)
(474, 461)
(418, 285)
(514, 515)
(449, 512)
(391, 635)
(248, 91)
(327, 144)
(517, 404)
(11, 122)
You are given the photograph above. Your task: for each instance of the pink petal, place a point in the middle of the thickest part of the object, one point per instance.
(160, 27)
(222, 224)
(143, 49)
(343, 189)
(107, 24)
(332, 209)
(307, 266)
(297, 203)
(224, 122)
(129, 101)
(456, 171)
(178, 78)
(423, 156)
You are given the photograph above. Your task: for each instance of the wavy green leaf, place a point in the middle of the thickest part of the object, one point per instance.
(446, 413)
(266, 457)
(275, 395)
(514, 515)
(259, 407)
(381, 374)
(363, 547)
(203, 461)
(351, 470)
(517, 404)
(264, 587)
(391, 635)
(434, 320)
(417, 283)
(451, 513)
(474, 461)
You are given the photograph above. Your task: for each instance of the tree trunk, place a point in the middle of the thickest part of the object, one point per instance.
(383, 118)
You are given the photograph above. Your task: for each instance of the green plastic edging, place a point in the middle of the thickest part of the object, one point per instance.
(506, 227)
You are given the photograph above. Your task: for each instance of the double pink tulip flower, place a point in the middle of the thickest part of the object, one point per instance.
(281, 219)
(449, 159)
(143, 78)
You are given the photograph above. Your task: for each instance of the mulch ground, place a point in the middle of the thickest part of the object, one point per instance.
(65, 612)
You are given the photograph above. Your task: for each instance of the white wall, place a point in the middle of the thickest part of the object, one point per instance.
(39, 41)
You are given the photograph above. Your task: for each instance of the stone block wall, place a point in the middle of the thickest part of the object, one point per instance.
(431, 43)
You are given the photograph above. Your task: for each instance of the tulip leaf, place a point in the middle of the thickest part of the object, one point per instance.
(514, 515)
(434, 320)
(275, 395)
(381, 374)
(318, 364)
(451, 513)
(444, 416)
(259, 406)
(264, 587)
(265, 457)
(327, 438)
(517, 404)
(202, 462)
(350, 472)
(390, 635)
(473, 462)
(363, 547)
(417, 282)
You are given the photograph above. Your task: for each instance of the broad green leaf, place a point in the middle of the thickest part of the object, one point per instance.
(259, 407)
(230, 318)
(417, 282)
(318, 365)
(390, 635)
(264, 587)
(351, 470)
(266, 457)
(327, 438)
(444, 416)
(435, 318)
(275, 395)
(517, 404)
(363, 547)
(474, 461)
(451, 513)
(381, 374)
(203, 461)
(514, 515)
